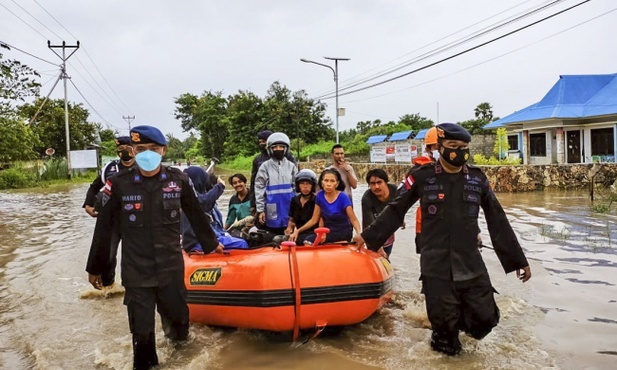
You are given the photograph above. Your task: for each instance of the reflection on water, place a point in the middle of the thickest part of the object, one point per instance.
(45, 324)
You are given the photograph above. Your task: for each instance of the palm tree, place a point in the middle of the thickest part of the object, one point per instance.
(484, 111)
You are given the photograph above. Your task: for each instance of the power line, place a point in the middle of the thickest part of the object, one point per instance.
(110, 102)
(2, 43)
(443, 48)
(54, 18)
(485, 61)
(36, 19)
(89, 57)
(453, 44)
(460, 53)
(107, 82)
(26, 23)
(91, 107)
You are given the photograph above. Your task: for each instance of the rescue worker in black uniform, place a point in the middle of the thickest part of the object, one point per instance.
(126, 161)
(144, 202)
(455, 281)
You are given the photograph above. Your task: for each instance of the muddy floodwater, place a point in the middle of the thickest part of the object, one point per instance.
(565, 317)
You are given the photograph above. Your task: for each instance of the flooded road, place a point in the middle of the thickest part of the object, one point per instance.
(565, 317)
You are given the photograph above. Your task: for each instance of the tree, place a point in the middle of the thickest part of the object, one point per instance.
(17, 82)
(50, 125)
(229, 127)
(245, 112)
(475, 126)
(501, 143)
(17, 140)
(108, 134)
(416, 122)
(364, 126)
(208, 115)
(484, 111)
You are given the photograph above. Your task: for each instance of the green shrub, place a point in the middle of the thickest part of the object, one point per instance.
(13, 178)
(238, 163)
(311, 150)
(481, 160)
(55, 169)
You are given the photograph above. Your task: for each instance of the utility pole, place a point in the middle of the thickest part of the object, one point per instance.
(65, 77)
(129, 119)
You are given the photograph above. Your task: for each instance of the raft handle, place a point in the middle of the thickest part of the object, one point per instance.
(320, 232)
(319, 328)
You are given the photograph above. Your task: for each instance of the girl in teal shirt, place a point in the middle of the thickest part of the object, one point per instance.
(240, 203)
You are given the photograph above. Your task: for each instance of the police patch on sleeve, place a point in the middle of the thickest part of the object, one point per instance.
(107, 187)
(408, 182)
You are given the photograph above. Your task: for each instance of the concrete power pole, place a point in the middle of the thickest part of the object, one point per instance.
(129, 119)
(65, 77)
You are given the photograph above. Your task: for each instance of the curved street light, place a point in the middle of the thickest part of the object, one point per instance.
(335, 71)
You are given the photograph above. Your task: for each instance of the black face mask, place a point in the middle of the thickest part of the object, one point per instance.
(278, 154)
(455, 157)
(125, 155)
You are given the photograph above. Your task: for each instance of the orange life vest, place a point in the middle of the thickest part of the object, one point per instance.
(420, 161)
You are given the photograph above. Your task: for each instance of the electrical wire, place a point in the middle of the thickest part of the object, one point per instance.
(459, 53)
(25, 52)
(89, 57)
(36, 19)
(26, 23)
(458, 42)
(54, 18)
(111, 103)
(107, 82)
(91, 107)
(483, 62)
(455, 43)
(95, 90)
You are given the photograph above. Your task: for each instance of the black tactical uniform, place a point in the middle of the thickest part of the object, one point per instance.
(459, 294)
(93, 200)
(147, 211)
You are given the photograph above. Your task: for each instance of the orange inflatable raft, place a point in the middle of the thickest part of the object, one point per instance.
(287, 288)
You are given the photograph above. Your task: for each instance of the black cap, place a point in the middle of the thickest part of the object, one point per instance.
(122, 140)
(147, 134)
(264, 135)
(452, 131)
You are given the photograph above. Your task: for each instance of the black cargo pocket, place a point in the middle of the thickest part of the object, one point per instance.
(432, 205)
(171, 211)
(132, 214)
(471, 201)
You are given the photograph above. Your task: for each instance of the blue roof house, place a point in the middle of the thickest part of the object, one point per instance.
(575, 122)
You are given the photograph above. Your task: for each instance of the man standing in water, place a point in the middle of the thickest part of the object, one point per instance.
(126, 161)
(145, 203)
(375, 199)
(455, 282)
(347, 173)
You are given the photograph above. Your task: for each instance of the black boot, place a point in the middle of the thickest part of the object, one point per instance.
(446, 343)
(144, 352)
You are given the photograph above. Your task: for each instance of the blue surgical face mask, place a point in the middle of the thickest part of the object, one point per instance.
(148, 160)
(435, 154)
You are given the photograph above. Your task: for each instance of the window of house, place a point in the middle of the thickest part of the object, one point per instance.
(537, 145)
(602, 142)
(513, 142)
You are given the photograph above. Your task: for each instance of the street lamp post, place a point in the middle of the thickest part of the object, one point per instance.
(335, 71)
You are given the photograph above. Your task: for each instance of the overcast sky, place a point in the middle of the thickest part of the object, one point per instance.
(136, 56)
